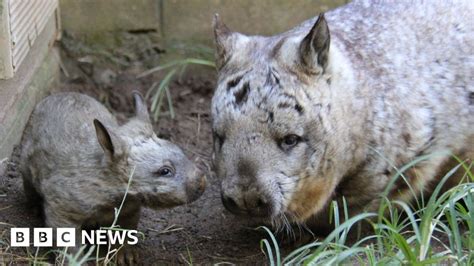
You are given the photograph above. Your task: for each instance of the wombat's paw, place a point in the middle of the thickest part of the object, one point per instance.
(127, 256)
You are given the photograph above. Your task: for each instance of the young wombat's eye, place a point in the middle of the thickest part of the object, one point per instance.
(165, 171)
(289, 141)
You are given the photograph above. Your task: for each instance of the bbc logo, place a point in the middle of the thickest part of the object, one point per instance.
(66, 237)
(43, 237)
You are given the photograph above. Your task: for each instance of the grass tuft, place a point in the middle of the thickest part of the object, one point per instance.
(439, 231)
(158, 91)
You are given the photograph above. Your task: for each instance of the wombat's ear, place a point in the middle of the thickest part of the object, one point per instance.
(104, 138)
(314, 48)
(223, 41)
(141, 110)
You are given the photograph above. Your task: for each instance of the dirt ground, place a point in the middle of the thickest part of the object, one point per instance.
(201, 232)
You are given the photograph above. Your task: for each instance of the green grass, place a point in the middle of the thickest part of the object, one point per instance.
(439, 231)
(160, 90)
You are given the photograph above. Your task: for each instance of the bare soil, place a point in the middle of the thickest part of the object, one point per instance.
(199, 233)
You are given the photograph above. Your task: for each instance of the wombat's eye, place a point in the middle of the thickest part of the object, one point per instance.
(289, 141)
(165, 171)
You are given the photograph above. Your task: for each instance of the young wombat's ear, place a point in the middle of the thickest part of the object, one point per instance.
(141, 110)
(314, 48)
(109, 143)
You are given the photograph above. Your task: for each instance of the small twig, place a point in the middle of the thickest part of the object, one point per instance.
(168, 229)
(198, 127)
(184, 259)
(246, 258)
(7, 206)
(171, 230)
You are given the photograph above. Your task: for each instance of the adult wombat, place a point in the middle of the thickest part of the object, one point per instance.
(77, 161)
(327, 109)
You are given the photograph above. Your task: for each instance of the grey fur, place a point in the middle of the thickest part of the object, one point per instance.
(79, 181)
(397, 84)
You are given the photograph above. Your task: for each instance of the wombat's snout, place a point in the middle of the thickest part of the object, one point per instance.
(248, 204)
(196, 185)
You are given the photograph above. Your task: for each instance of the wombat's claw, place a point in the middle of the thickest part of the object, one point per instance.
(127, 256)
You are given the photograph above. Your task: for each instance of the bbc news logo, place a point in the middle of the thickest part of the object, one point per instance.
(66, 237)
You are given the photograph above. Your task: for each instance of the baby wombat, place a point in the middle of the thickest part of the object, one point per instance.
(77, 161)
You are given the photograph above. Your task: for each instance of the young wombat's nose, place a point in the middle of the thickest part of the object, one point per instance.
(202, 183)
(196, 187)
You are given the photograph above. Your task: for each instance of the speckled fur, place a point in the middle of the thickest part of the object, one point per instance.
(79, 183)
(397, 83)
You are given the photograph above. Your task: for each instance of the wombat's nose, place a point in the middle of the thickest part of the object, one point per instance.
(195, 188)
(202, 183)
(258, 206)
(230, 204)
(262, 207)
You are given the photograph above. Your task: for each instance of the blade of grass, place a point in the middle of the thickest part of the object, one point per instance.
(269, 252)
(151, 89)
(346, 225)
(157, 100)
(275, 244)
(170, 102)
(195, 61)
(159, 68)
